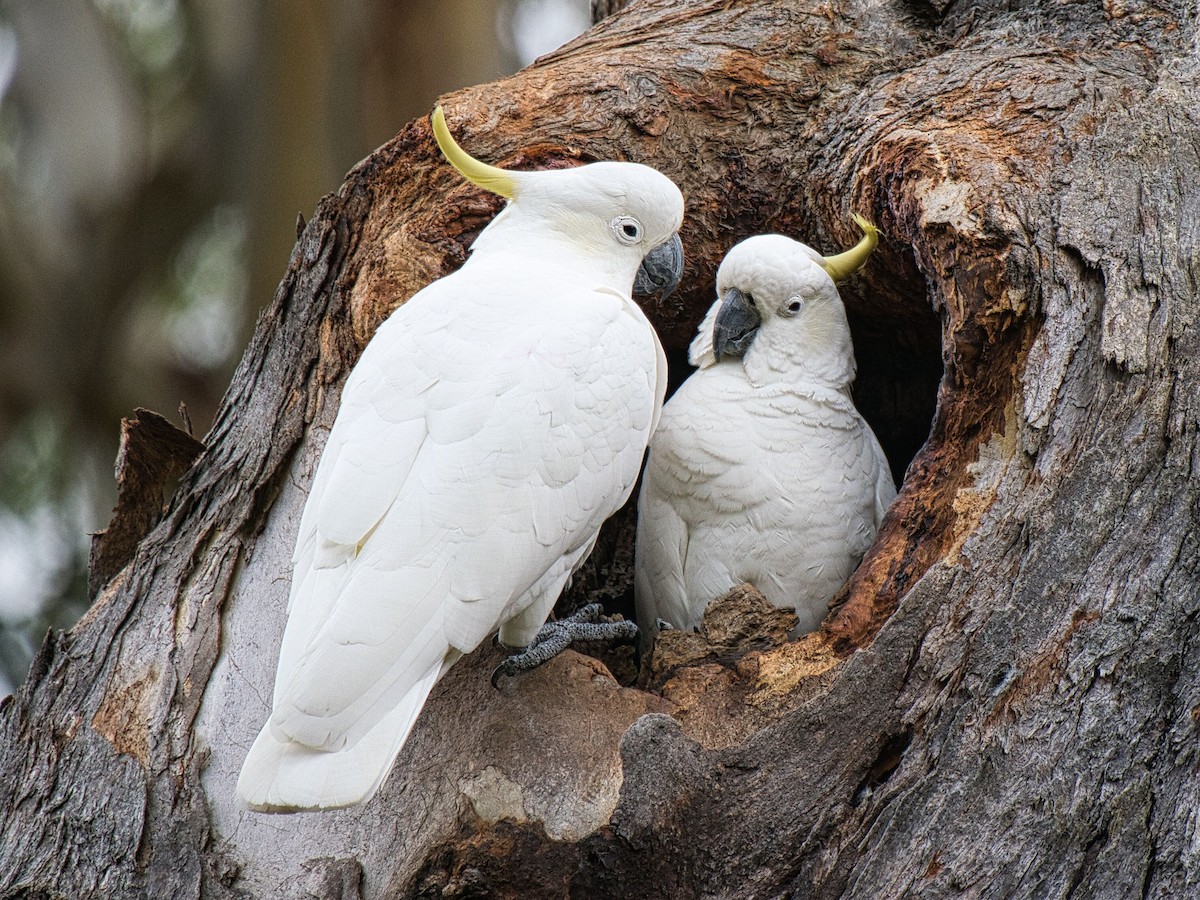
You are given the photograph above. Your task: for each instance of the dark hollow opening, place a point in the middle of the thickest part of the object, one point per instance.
(899, 369)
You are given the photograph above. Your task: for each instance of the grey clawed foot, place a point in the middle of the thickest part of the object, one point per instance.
(554, 637)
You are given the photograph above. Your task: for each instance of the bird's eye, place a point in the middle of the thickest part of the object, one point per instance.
(794, 305)
(627, 229)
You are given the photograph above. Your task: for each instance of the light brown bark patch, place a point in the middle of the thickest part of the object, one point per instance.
(124, 718)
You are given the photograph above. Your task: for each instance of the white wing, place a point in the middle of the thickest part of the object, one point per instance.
(700, 352)
(885, 488)
(481, 440)
(661, 548)
(701, 476)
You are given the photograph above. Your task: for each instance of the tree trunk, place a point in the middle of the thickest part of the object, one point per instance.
(1005, 702)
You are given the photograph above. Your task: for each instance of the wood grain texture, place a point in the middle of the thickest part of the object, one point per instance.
(1006, 699)
(152, 454)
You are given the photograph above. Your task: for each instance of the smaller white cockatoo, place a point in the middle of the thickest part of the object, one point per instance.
(493, 423)
(762, 469)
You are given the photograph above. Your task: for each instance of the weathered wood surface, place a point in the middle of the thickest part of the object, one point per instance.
(1012, 710)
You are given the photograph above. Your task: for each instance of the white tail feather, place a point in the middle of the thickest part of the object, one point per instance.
(284, 776)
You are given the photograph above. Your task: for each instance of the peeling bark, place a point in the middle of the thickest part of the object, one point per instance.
(153, 452)
(1003, 703)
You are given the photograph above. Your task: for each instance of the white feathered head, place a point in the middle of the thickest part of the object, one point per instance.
(779, 311)
(619, 210)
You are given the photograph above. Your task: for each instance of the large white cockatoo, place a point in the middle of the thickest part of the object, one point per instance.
(493, 423)
(762, 469)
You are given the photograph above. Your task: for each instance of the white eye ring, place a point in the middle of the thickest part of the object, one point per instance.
(792, 307)
(627, 229)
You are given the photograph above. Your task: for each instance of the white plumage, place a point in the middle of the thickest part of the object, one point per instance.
(492, 424)
(761, 469)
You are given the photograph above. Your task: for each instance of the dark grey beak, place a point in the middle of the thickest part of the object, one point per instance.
(737, 323)
(661, 269)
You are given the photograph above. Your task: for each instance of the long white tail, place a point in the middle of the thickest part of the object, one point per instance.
(284, 776)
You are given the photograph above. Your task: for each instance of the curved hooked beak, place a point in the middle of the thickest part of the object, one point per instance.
(661, 269)
(736, 325)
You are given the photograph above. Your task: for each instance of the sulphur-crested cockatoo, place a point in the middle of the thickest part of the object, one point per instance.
(761, 469)
(492, 424)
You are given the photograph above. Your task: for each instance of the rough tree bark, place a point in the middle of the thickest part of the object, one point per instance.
(1005, 703)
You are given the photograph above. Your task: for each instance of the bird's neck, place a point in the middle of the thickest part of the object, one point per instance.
(829, 367)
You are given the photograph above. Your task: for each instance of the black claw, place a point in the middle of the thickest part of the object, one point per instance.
(555, 637)
(505, 669)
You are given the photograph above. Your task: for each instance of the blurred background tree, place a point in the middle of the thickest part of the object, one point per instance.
(154, 155)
